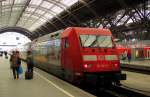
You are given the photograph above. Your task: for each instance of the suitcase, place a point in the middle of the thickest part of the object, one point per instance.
(28, 75)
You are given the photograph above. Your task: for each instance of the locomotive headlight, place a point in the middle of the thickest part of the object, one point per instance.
(116, 65)
(89, 57)
(87, 65)
(111, 57)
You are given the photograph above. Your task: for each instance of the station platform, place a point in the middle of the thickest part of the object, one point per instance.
(42, 85)
(139, 65)
(137, 82)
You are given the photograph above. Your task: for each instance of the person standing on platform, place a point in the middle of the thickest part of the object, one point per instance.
(15, 63)
(5, 53)
(129, 56)
(11, 58)
(30, 63)
(1, 53)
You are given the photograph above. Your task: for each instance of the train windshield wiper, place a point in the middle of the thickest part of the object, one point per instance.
(85, 40)
(89, 41)
(101, 41)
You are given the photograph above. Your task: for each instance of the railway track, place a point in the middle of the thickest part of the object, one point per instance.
(136, 68)
(116, 91)
(113, 91)
(123, 91)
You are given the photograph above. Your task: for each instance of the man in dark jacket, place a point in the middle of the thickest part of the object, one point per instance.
(29, 60)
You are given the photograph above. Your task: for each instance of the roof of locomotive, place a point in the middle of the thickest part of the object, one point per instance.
(83, 30)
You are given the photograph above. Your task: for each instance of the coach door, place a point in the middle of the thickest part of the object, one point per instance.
(65, 45)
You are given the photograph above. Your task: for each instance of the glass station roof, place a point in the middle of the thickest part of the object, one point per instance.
(31, 14)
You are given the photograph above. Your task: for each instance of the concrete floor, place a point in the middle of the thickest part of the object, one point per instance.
(43, 85)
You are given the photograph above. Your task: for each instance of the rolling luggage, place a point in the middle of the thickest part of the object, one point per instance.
(28, 75)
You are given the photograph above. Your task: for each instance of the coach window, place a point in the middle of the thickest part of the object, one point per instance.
(66, 43)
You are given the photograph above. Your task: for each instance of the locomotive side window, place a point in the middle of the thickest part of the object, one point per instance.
(66, 43)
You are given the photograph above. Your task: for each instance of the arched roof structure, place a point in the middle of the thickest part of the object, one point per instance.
(34, 18)
(31, 14)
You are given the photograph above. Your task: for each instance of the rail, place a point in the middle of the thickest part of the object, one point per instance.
(136, 68)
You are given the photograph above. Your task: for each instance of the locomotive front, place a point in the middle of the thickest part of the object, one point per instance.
(99, 55)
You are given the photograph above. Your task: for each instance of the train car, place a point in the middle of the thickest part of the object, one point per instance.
(147, 52)
(77, 52)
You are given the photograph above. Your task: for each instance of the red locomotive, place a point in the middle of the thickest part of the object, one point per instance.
(78, 52)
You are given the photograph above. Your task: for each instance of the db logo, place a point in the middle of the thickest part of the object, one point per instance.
(101, 57)
(98, 65)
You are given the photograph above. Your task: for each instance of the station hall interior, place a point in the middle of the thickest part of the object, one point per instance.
(74, 48)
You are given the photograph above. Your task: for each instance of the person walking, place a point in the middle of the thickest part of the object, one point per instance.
(15, 63)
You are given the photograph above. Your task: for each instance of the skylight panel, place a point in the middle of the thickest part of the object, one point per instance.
(69, 2)
(29, 9)
(137, 16)
(21, 21)
(19, 1)
(48, 16)
(7, 2)
(130, 21)
(36, 25)
(57, 9)
(35, 2)
(35, 17)
(26, 15)
(30, 21)
(120, 23)
(14, 15)
(42, 20)
(46, 5)
(6, 10)
(39, 12)
(16, 8)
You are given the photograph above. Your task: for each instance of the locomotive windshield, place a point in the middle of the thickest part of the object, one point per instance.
(96, 41)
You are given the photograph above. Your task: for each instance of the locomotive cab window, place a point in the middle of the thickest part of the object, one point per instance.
(96, 41)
